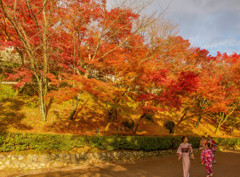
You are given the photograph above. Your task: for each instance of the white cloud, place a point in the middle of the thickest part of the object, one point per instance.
(210, 24)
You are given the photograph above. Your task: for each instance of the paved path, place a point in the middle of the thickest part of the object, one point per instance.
(228, 165)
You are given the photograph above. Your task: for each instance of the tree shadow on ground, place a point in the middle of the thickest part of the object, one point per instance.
(87, 123)
(11, 115)
(186, 127)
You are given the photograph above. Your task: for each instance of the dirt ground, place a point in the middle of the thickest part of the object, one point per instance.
(227, 166)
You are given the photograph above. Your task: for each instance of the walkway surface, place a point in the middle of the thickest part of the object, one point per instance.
(228, 165)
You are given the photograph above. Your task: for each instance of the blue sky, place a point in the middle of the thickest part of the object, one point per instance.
(210, 24)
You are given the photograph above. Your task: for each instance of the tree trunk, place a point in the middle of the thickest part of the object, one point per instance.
(44, 82)
(220, 122)
(112, 116)
(75, 110)
(138, 123)
(218, 127)
(106, 129)
(183, 115)
(49, 105)
(231, 130)
(78, 110)
(223, 119)
(42, 101)
(198, 121)
(86, 74)
(176, 127)
(21, 56)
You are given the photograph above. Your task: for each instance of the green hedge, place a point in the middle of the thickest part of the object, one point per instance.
(46, 142)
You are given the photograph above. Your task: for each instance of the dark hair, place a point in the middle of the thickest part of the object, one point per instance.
(208, 144)
(183, 138)
(204, 137)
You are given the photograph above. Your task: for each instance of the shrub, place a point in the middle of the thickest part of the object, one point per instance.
(1, 140)
(149, 117)
(48, 142)
(29, 90)
(128, 123)
(33, 103)
(169, 125)
(6, 92)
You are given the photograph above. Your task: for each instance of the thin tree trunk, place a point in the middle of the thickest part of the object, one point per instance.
(113, 116)
(78, 110)
(231, 130)
(138, 123)
(113, 113)
(220, 122)
(218, 127)
(86, 74)
(106, 129)
(49, 105)
(44, 85)
(42, 102)
(176, 127)
(21, 56)
(75, 110)
(198, 121)
(183, 115)
(223, 119)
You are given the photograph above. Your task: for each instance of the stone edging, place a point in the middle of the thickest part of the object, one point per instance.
(33, 162)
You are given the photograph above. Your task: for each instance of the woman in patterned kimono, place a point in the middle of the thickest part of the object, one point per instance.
(184, 152)
(203, 141)
(207, 159)
(213, 147)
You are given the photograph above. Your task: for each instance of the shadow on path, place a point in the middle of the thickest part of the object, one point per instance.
(227, 166)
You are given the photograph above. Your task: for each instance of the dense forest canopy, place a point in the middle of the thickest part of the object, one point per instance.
(130, 67)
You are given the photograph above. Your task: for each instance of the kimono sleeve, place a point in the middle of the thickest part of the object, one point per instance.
(202, 155)
(179, 150)
(190, 148)
(211, 156)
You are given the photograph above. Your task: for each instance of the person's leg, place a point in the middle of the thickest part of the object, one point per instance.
(186, 164)
(207, 169)
(210, 169)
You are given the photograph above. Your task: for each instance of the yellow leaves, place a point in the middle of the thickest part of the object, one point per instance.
(131, 75)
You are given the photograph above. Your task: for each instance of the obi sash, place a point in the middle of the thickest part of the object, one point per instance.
(185, 150)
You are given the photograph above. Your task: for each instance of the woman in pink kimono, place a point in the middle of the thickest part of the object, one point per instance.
(207, 159)
(184, 152)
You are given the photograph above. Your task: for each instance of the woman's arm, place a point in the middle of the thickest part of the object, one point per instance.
(191, 151)
(211, 156)
(179, 152)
